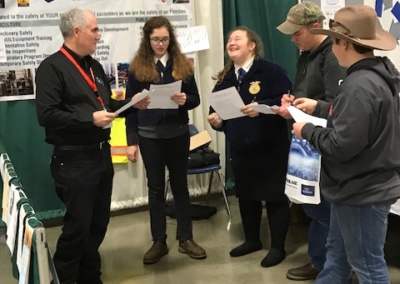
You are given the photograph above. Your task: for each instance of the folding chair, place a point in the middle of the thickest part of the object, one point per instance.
(212, 169)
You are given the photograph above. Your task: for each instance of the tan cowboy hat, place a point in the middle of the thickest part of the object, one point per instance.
(359, 25)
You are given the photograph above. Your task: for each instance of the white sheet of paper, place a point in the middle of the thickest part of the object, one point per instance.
(161, 95)
(26, 254)
(193, 39)
(227, 103)
(9, 205)
(265, 108)
(108, 125)
(13, 221)
(21, 233)
(300, 116)
(6, 188)
(134, 100)
(395, 209)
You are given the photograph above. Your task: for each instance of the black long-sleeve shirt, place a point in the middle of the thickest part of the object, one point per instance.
(65, 102)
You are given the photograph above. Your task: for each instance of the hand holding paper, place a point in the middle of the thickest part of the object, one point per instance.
(137, 98)
(161, 96)
(179, 98)
(300, 116)
(143, 103)
(306, 104)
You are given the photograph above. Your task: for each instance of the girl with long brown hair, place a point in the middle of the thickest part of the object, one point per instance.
(163, 134)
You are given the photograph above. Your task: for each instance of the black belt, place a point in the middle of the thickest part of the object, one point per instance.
(99, 146)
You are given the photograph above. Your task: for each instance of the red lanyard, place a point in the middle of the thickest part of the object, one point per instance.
(85, 76)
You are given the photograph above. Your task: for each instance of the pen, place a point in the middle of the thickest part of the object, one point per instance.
(290, 95)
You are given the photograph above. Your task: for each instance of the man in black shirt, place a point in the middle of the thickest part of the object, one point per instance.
(74, 105)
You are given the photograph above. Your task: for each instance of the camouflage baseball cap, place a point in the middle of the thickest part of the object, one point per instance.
(300, 15)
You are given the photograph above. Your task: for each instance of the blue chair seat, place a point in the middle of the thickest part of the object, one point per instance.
(203, 170)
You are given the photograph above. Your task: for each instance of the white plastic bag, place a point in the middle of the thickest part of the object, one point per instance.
(303, 174)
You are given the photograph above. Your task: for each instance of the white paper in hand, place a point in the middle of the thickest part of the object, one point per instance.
(264, 108)
(227, 103)
(161, 95)
(134, 100)
(300, 116)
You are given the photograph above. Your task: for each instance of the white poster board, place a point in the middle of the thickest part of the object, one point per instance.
(30, 33)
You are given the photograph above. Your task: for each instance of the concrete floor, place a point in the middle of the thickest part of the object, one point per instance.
(128, 238)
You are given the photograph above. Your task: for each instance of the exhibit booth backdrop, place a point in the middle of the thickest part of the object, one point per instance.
(23, 138)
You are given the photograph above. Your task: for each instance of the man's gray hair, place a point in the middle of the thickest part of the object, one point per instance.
(72, 18)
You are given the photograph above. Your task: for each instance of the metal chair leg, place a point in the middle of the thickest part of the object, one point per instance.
(166, 188)
(228, 208)
(209, 185)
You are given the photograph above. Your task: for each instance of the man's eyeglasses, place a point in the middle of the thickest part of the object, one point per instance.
(157, 40)
(333, 24)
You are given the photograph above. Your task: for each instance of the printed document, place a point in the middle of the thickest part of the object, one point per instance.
(227, 103)
(161, 95)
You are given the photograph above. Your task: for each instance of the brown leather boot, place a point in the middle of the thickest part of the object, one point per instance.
(155, 253)
(192, 249)
(305, 272)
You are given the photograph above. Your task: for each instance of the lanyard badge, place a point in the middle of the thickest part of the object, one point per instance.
(91, 83)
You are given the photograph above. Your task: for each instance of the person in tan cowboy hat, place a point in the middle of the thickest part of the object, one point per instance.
(317, 76)
(359, 148)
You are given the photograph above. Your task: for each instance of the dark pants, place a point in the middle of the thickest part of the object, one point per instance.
(173, 153)
(318, 231)
(278, 218)
(83, 181)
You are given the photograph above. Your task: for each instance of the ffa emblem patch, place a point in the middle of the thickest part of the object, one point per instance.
(255, 87)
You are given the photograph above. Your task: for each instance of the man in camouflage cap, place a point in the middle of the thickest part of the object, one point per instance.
(317, 76)
(301, 15)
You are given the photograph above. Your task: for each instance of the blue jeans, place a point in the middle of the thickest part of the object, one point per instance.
(355, 242)
(318, 231)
